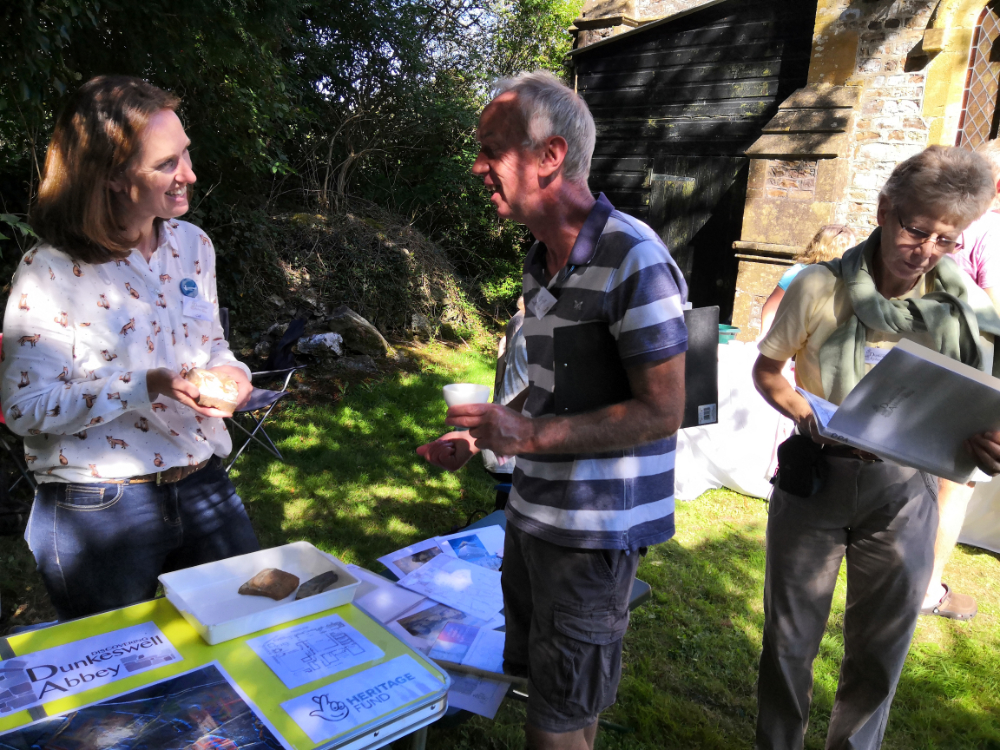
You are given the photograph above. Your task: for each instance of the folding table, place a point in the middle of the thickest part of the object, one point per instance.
(251, 675)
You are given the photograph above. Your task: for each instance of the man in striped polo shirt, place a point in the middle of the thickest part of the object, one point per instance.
(594, 431)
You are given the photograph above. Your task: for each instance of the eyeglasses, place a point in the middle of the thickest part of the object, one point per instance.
(922, 237)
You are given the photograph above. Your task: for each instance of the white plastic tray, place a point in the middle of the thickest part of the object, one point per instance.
(207, 595)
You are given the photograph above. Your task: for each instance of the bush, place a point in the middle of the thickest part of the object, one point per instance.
(294, 105)
(364, 257)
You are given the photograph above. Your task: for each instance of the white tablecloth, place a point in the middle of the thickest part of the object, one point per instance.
(737, 453)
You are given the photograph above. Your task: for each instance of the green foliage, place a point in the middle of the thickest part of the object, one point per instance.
(530, 34)
(15, 222)
(292, 105)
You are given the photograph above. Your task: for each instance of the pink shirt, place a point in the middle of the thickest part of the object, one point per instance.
(978, 252)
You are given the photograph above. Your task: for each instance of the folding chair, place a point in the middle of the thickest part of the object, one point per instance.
(262, 400)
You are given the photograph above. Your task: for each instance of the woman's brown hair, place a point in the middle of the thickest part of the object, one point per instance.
(95, 138)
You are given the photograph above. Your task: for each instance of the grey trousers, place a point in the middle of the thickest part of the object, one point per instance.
(883, 518)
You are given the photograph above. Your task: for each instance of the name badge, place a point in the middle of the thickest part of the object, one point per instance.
(198, 309)
(189, 288)
(874, 355)
(541, 303)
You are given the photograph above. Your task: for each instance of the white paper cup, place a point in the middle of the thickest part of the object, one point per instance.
(466, 393)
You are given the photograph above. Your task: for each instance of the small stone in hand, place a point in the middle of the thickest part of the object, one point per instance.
(319, 584)
(270, 582)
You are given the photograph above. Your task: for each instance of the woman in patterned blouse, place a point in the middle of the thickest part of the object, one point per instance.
(106, 315)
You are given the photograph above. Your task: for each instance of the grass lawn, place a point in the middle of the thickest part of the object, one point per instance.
(354, 487)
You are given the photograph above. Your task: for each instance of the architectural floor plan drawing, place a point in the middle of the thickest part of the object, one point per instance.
(314, 649)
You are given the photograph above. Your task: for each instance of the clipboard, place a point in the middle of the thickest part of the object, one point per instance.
(588, 373)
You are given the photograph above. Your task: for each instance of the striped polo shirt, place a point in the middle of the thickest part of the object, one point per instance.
(619, 275)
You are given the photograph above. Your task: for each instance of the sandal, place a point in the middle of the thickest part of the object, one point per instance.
(953, 606)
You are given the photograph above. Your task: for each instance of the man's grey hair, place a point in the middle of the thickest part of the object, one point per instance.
(549, 107)
(954, 183)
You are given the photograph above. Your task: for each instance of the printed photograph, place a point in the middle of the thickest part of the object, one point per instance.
(199, 710)
(430, 622)
(454, 642)
(471, 549)
(410, 563)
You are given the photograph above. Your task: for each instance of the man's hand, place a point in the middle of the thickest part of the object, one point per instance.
(451, 451)
(985, 448)
(165, 382)
(241, 380)
(502, 430)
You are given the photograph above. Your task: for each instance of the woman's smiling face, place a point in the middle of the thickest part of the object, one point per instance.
(156, 184)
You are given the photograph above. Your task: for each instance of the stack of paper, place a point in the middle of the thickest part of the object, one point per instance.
(381, 598)
(483, 547)
(915, 407)
(479, 649)
(459, 584)
(457, 581)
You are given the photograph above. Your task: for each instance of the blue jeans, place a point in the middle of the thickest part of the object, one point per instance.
(102, 546)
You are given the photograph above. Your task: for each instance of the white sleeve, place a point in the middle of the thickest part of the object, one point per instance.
(221, 354)
(37, 391)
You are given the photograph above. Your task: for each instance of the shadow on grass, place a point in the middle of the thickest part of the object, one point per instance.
(353, 484)
(691, 658)
(354, 487)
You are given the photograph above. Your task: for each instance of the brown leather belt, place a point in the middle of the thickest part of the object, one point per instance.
(846, 451)
(175, 474)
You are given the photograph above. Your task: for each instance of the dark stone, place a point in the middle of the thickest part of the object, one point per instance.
(317, 585)
(360, 364)
(359, 335)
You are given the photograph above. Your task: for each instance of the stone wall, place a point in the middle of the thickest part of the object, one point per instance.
(664, 8)
(602, 19)
(791, 180)
(875, 46)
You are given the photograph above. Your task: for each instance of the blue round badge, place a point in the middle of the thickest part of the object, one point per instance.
(189, 288)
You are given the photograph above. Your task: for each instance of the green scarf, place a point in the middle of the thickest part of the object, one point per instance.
(945, 313)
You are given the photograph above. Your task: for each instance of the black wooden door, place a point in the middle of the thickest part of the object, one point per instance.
(676, 106)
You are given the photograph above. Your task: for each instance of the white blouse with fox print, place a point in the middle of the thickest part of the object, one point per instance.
(78, 340)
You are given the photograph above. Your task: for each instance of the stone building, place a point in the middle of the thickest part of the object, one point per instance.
(677, 102)
(885, 79)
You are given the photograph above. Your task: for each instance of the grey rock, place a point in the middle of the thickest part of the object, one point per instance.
(322, 343)
(277, 330)
(359, 364)
(275, 300)
(315, 325)
(263, 349)
(421, 325)
(317, 585)
(359, 335)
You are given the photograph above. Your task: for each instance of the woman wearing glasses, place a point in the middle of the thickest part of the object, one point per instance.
(838, 319)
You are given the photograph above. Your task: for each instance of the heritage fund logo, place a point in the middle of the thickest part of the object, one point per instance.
(332, 710)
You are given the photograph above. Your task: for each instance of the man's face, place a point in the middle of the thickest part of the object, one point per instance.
(508, 170)
(909, 249)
